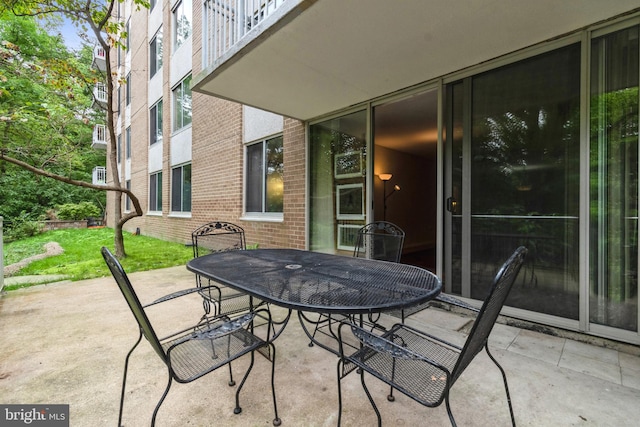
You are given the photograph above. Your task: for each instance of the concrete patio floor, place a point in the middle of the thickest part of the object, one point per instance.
(66, 343)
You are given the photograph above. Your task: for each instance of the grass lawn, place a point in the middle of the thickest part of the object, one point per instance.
(82, 259)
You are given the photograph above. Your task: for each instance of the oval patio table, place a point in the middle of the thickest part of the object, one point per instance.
(318, 282)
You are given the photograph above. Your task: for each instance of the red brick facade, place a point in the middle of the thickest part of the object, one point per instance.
(217, 153)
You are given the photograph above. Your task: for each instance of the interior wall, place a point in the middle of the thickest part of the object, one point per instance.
(413, 208)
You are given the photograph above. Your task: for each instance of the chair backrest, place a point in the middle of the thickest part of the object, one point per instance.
(217, 236)
(134, 303)
(381, 240)
(490, 310)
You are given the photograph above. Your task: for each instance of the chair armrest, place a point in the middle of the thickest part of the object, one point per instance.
(177, 294)
(382, 345)
(375, 342)
(448, 299)
(224, 328)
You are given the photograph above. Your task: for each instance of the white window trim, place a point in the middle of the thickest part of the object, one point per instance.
(257, 216)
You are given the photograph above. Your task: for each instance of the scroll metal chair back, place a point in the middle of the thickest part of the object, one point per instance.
(381, 240)
(196, 350)
(420, 365)
(219, 236)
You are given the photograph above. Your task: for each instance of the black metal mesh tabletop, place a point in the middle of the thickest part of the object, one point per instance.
(318, 282)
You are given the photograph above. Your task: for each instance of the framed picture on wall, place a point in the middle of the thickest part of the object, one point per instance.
(348, 165)
(350, 201)
(347, 236)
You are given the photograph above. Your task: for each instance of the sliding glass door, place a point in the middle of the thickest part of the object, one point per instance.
(515, 180)
(613, 296)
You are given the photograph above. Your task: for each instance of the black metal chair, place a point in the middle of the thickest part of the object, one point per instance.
(199, 349)
(218, 236)
(380, 240)
(423, 366)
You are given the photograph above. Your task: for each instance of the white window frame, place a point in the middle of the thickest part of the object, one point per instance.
(155, 112)
(258, 216)
(155, 54)
(177, 101)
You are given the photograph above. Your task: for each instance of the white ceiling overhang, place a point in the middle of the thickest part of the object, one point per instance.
(319, 56)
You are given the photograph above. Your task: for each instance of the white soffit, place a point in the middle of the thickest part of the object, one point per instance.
(337, 53)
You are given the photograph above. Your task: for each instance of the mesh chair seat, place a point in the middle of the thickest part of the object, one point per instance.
(415, 363)
(420, 365)
(197, 353)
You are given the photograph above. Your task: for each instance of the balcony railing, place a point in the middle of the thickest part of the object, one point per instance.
(226, 22)
(100, 93)
(99, 137)
(100, 175)
(99, 58)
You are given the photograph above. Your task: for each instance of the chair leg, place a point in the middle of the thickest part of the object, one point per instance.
(238, 409)
(124, 377)
(166, 391)
(506, 385)
(340, 364)
(276, 421)
(446, 402)
(373, 404)
(231, 380)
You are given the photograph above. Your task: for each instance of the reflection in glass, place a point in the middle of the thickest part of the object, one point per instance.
(613, 299)
(342, 137)
(525, 179)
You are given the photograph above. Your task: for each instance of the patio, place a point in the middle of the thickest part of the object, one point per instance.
(66, 343)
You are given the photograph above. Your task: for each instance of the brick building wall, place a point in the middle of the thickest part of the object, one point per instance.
(217, 152)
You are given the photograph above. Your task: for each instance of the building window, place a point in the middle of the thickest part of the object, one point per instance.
(127, 93)
(127, 142)
(181, 188)
(155, 123)
(155, 54)
(152, 4)
(264, 183)
(119, 97)
(127, 199)
(182, 104)
(155, 192)
(119, 148)
(181, 23)
(127, 40)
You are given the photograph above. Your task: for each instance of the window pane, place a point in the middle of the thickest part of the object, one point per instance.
(152, 192)
(155, 192)
(274, 178)
(255, 178)
(186, 188)
(128, 142)
(128, 90)
(155, 54)
(525, 179)
(342, 136)
(182, 22)
(176, 189)
(186, 101)
(177, 107)
(159, 192)
(613, 299)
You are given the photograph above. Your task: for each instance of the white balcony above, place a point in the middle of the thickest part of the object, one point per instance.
(99, 58)
(99, 137)
(306, 58)
(100, 94)
(99, 175)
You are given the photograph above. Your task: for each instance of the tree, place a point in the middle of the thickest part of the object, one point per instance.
(68, 79)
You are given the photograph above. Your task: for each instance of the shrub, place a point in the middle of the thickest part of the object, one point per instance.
(21, 227)
(77, 211)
